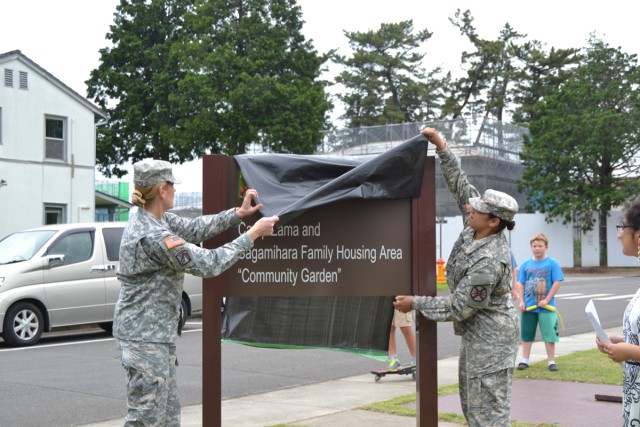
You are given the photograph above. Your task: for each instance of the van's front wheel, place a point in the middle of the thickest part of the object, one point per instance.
(184, 313)
(23, 325)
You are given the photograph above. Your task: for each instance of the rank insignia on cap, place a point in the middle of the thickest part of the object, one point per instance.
(173, 241)
(182, 255)
(478, 293)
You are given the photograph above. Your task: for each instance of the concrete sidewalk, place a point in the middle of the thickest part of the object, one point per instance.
(333, 403)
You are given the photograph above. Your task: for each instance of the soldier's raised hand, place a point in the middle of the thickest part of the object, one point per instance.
(434, 137)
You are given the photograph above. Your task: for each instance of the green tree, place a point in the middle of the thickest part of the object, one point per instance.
(490, 72)
(134, 82)
(217, 77)
(383, 79)
(540, 73)
(581, 156)
(252, 77)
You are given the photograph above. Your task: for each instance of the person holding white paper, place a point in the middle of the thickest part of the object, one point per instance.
(627, 348)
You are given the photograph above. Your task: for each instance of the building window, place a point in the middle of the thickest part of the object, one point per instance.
(8, 77)
(55, 214)
(55, 138)
(24, 80)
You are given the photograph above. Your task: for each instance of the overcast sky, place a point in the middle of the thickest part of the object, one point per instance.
(64, 36)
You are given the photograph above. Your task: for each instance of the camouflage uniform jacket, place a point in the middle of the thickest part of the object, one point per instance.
(479, 278)
(154, 255)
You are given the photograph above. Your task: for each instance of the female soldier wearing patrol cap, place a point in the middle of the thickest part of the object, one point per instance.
(480, 304)
(157, 248)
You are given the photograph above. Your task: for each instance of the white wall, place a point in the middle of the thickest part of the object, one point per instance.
(560, 237)
(560, 240)
(32, 182)
(614, 247)
(590, 245)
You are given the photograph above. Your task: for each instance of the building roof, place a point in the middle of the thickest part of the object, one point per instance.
(16, 54)
(104, 199)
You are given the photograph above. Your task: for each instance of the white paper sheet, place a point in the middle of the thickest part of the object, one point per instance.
(592, 314)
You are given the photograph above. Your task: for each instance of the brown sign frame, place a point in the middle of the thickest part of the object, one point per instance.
(222, 171)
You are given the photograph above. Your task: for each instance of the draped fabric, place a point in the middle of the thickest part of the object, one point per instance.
(289, 185)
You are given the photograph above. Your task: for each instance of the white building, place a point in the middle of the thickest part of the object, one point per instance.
(47, 148)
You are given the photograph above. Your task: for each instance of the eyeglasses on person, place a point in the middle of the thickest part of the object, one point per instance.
(620, 228)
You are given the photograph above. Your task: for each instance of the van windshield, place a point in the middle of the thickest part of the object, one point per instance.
(22, 246)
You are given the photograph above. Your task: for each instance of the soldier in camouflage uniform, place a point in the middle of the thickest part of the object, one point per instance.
(480, 303)
(157, 248)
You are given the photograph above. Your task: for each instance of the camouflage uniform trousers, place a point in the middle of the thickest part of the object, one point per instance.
(485, 398)
(152, 387)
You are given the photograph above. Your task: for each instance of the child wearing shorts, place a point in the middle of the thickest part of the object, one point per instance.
(538, 282)
(403, 321)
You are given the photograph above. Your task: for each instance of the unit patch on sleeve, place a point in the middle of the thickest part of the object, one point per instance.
(478, 293)
(173, 241)
(182, 255)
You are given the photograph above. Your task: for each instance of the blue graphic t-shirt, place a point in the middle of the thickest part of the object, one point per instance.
(538, 276)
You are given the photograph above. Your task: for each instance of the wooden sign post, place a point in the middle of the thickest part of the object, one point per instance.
(416, 234)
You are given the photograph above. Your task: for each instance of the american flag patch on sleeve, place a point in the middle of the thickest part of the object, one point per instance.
(173, 241)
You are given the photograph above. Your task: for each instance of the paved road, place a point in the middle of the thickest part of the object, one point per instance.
(75, 378)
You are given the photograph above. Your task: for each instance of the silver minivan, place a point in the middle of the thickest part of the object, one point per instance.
(64, 275)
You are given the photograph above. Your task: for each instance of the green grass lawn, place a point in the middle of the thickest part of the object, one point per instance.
(585, 366)
(588, 366)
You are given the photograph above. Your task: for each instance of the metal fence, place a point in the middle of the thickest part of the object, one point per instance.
(481, 136)
(188, 200)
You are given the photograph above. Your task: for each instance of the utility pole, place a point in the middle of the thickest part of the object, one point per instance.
(440, 220)
(440, 277)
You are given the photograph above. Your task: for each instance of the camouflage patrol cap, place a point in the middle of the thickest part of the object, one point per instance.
(497, 203)
(151, 172)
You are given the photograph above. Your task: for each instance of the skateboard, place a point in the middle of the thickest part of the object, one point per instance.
(402, 370)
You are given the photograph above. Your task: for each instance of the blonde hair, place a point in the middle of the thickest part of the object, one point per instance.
(144, 193)
(540, 236)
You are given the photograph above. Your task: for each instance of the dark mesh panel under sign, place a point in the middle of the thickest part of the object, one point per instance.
(358, 324)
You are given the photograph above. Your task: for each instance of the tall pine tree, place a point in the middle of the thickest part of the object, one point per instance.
(540, 73)
(384, 80)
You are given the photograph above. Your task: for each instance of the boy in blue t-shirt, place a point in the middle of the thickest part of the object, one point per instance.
(538, 281)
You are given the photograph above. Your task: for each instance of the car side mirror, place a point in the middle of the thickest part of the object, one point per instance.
(55, 260)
